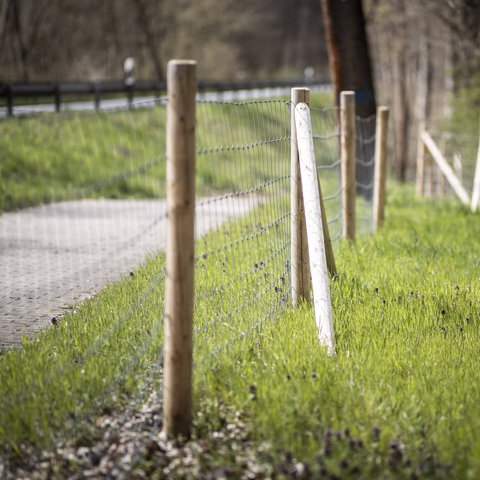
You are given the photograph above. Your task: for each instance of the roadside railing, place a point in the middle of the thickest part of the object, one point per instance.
(23, 98)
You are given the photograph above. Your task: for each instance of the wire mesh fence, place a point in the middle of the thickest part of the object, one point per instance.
(460, 151)
(100, 162)
(82, 171)
(365, 153)
(448, 164)
(242, 268)
(99, 215)
(326, 138)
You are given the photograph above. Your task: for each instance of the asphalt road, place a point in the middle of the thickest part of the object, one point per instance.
(55, 255)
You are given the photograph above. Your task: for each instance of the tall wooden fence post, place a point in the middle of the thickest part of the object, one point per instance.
(347, 139)
(299, 247)
(177, 394)
(380, 167)
(476, 183)
(421, 153)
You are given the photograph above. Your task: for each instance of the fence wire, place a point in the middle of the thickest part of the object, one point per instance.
(242, 278)
(365, 166)
(460, 152)
(326, 142)
(242, 178)
(103, 213)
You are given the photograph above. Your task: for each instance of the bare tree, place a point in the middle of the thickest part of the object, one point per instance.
(462, 17)
(152, 40)
(412, 54)
(23, 22)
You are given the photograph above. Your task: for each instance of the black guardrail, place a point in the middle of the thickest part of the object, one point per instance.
(57, 91)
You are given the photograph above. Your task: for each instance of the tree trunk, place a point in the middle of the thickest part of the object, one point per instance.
(22, 47)
(151, 42)
(403, 118)
(350, 69)
(350, 66)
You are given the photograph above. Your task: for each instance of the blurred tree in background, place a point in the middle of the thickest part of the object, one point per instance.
(63, 40)
(425, 56)
(349, 52)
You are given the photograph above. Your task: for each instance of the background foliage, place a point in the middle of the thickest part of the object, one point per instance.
(424, 54)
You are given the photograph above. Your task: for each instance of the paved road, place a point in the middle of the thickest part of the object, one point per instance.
(55, 255)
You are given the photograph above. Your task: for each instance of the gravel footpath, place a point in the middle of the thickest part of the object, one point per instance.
(55, 255)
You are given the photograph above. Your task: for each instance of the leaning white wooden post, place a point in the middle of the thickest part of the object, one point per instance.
(380, 167)
(347, 139)
(445, 168)
(476, 183)
(299, 247)
(177, 395)
(313, 218)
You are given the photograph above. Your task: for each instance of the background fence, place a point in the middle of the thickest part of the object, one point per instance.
(243, 221)
(449, 164)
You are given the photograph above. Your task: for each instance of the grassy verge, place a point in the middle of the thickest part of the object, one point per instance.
(399, 400)
(90, 361)
(52, 157)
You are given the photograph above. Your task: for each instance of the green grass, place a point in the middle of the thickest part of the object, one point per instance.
(88, 362)
(52, 157)
(407, 314)
(404, 378)
(398, 400)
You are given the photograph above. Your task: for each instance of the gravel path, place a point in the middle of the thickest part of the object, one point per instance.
(55, 255)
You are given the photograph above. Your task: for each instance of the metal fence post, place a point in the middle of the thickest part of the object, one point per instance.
(9, 100)
(57, 97)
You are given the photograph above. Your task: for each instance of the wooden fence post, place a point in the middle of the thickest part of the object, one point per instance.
(313, 219)
(476, 183)
(299, 247)
(347, 139)
(380, 167)
(331, 265)
(177, 394)
(421, 151)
